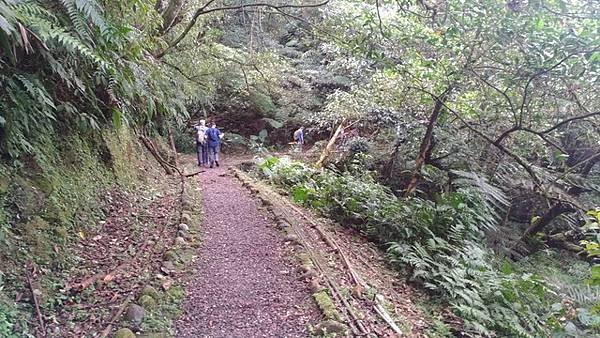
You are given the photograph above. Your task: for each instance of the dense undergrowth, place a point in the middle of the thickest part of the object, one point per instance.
(442, 243)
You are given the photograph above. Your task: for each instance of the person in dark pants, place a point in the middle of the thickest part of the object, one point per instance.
(201, 143)
(213, 138)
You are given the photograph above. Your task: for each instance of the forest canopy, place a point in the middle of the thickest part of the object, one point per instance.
(468, 129)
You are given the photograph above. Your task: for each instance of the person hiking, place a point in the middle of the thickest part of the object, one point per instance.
(201, 144)
(299, 137)
(213, 138)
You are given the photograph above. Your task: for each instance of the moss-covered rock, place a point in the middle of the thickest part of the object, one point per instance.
(135, 314)
(186, 218)
(150, 291)
(326, 305)
(147, 302)
(4, 184)
(171, 255)
(124, 333)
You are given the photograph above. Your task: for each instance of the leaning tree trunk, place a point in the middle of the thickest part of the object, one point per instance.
(426, 143)
(539, 224)
(330, 145)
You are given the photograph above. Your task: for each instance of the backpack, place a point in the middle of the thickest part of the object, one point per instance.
(201, 135)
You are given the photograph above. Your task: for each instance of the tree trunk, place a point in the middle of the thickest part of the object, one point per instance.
(173, 148)
(388, 169)
(539, 225)
(330, 145)
(426, 143)
(152, 149)
(171, 13)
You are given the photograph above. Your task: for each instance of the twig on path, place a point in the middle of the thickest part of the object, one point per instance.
(194, 174)
(36, 302)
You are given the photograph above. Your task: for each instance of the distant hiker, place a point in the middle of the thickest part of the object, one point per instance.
(213, 138)
(201, 144)
(299, 137)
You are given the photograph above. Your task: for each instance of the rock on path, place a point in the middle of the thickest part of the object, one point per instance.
(245, 286)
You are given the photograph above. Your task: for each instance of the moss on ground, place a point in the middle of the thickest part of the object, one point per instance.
(160, 316)
(326, 305)
(46, 203)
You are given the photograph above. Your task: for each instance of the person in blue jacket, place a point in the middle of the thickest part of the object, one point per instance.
(213, 137)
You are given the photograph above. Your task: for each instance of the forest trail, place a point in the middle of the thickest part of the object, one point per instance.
(244, 285)
(263, 262)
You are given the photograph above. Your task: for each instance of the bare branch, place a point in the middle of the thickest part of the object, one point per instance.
(540, 73)
(561, 123)
(204, 10)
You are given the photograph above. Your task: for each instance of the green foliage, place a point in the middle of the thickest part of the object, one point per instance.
(7, 319)
(441, 241)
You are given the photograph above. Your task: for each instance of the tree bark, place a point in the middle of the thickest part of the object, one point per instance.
(426, 143)
(152, 149)
(171, 13)
(388, 169)
(173, 148)
(330, 145)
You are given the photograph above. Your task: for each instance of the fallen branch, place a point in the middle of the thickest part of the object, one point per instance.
(150, 146)
(382, 312)
(111, 274)
(330, 145)
(194, 174)
(36, 302)
(117, 315)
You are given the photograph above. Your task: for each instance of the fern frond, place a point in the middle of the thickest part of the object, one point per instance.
(78, 21)
(92, 11)
(491, 193)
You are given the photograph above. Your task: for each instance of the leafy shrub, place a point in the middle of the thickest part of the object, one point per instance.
(358, 145)
(440, 241)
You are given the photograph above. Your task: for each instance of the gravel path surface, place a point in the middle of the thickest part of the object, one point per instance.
(245, 286)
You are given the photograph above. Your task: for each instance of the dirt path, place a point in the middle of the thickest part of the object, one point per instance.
(245, 285)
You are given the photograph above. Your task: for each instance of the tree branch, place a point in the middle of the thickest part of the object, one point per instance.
(528, 168)
(540, 73)
(569, 120)
(204, 10)
(502, 92)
